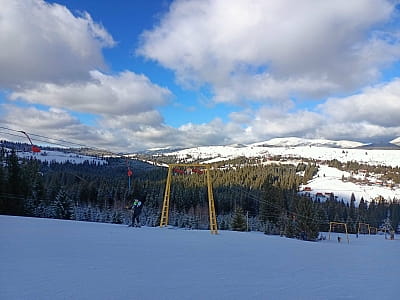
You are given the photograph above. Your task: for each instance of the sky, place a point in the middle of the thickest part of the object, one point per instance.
(133, 75)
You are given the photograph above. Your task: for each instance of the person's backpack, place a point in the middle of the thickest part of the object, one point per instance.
(136, 204)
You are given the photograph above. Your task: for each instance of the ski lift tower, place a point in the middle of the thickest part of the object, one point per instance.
(211, 205)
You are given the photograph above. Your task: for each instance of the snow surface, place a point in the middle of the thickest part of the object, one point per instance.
(61, 157)
(294, 142)
(221, 153)
(329, 180)
(396, 141)
(55, 259)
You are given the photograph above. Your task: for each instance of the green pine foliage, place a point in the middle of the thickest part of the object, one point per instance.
(307, 225)
(239, 221)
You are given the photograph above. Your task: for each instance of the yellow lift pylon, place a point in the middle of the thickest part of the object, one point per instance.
(211, 205)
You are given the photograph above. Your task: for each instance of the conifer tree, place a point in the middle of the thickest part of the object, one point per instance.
(307, 219)
(239, 221)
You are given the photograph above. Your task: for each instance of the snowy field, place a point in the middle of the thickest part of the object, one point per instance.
(54, 259)
(61, 157)
(329, 180)
(221, 153)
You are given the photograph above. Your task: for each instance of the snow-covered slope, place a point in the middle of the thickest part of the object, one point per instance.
(219, 153)
(329, 180)
(61, 157)
(55, 259)
(296, 142)
(396, 141)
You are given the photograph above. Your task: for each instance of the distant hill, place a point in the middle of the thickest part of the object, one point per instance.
(296, 142)
(380, 146)
(396, 141)
(294, 148)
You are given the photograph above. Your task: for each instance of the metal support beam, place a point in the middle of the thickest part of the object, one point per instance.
(211, 204)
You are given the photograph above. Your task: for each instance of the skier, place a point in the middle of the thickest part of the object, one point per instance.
(136, 210)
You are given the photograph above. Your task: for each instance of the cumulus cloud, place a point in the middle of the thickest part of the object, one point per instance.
(54, 122)
(271, 52)
(278, 47)
(371, 114)
(124, 94)
(60, 124)
(270, 122)
(43, 42)
(379, 105)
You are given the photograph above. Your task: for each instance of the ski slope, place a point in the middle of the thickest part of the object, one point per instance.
(329, 180)
(55, 259)
(61, 157)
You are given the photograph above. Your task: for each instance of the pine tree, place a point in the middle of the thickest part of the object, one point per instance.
(239, 221)
(14, 200)
(62, 206)
(307, 219)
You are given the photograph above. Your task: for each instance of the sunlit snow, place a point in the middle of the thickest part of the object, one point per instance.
(54, 259)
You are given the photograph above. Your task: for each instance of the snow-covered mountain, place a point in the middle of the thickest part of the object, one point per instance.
(296, 142)
(396, 141)
(61, 157)
(293, 148)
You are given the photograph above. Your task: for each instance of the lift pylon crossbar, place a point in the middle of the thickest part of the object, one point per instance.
(332, 226)
(211, 205)
(367, 225)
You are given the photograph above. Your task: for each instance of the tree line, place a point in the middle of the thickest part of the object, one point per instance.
(248, 196)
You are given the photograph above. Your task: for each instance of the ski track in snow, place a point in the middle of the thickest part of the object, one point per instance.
(56, 259)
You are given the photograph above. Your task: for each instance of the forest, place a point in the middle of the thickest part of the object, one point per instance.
(249, 196)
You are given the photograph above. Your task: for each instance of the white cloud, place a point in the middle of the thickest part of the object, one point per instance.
(55, 123)
(371, 114)
(271, 122)
(263, 51)
(60, 124)
(43, 42)
(277, 47)
(124, 94)
(362, 131)
(379, 105)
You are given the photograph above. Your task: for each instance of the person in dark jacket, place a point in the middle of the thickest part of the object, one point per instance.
(136, 210)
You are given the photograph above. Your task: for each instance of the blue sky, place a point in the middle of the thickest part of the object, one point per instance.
(132, 75)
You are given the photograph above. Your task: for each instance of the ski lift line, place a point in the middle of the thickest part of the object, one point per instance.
(12, 134)
(42, 136)
(38, 140)
(19, 197)
(49, 139)
(15, 196)
(63, 145)
(127, 157)
(286, 210)
(36, 149)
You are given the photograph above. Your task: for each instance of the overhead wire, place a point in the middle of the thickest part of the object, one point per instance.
(59, 142)
(257, 199)
(49, 140)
